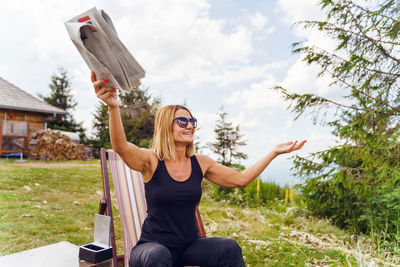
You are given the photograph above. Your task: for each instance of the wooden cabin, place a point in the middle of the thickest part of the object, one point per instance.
(21, 113)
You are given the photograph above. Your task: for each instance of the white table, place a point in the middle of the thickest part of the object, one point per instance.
(62, 254)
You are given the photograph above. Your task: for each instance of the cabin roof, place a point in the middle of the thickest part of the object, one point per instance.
(12, 97)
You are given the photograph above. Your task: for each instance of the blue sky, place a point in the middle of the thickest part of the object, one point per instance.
(205, 53)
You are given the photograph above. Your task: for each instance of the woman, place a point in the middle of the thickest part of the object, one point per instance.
(172, 174)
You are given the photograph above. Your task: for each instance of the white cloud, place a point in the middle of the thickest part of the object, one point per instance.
(260, 96)
(251, 123)
(235, 74)
(302, 78)
(180, 41)
(248, 125)
(206, 122)
(316, 141)
(319, 141)
(174, 40)
(258, 21)
(289, 123)
(299, 10)
(306, 10)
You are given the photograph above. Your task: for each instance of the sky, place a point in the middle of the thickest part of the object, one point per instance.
(206, 54)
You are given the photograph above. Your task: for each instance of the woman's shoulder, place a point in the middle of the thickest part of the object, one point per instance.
(153, 159)
(203, 157)
(204, 161)
(151, 152)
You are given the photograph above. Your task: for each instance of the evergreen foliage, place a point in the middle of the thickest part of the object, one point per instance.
(228, 140)
(354, 183)
(100, 127)
(61, 96)
(137, 114)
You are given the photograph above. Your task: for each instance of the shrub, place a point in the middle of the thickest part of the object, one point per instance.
(268, 192)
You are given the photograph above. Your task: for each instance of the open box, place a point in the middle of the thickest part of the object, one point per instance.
(99, 250)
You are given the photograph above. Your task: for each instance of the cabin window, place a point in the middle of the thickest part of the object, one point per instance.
(14, 136)
(15, 127)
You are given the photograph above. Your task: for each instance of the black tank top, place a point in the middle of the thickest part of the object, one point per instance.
(171, 205)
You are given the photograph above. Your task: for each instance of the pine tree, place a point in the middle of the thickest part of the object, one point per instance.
(137, 114)
(228, 140)
(354, 183)
(61, 96)
(101, 127)
(226, 146)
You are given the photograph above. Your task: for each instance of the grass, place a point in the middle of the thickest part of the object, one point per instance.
(44, 205)
(260, 232)
(40, 206)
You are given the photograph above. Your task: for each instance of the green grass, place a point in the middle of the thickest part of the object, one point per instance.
(259, 232)
(40, 206)
(46, 205)
(3, 160)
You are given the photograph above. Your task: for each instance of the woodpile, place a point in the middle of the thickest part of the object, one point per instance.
(52, 145)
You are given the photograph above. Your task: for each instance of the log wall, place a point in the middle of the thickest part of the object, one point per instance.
(36, 122)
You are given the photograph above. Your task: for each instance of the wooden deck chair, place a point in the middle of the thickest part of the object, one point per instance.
(129, 191)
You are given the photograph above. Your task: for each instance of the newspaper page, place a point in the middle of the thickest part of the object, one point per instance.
(96, 39)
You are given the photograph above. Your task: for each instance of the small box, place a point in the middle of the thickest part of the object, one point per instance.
(99, 250)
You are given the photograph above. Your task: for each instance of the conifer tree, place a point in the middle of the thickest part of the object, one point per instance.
(355, 183)
(61, 96)
(137, 110)
(101, 127)
(228, 140)
(138, 114)
(226, 146)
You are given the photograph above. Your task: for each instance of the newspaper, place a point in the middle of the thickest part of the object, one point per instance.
(96, 39)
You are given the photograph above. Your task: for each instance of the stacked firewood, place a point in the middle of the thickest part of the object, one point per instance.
(51, 145)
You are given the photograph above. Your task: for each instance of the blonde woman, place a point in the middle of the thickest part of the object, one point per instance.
(172, 174)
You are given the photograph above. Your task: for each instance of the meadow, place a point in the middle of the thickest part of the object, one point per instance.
(44, 203)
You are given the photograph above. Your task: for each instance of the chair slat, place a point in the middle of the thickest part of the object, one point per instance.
(130, 194)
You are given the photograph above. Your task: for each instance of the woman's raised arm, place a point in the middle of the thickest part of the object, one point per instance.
(136, 158)
(225, 176)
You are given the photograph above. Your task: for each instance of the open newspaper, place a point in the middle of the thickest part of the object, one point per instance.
(94, 34)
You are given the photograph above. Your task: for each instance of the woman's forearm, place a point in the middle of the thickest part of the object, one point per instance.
(117, 134)
(252, 172)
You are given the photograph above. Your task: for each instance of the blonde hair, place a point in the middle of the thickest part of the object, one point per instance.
(163, 141)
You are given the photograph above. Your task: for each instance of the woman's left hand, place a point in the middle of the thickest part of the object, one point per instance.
(288, 147)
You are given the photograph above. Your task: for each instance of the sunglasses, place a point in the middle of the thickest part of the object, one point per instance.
(183, 122)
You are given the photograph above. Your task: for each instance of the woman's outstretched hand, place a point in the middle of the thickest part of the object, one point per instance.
(107, 94)
(288, 147)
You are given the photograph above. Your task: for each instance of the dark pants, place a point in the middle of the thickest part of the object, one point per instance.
(213, 251)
